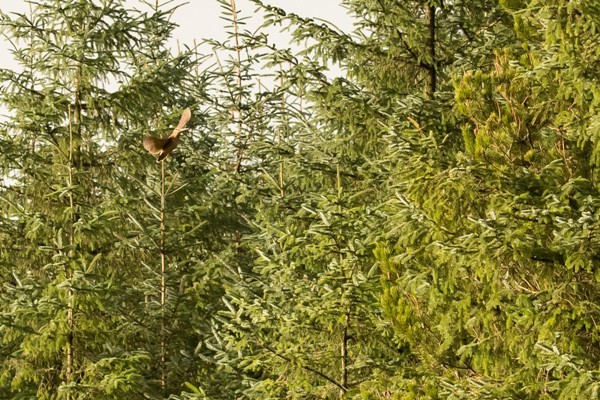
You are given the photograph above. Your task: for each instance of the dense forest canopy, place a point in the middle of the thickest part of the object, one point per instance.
(422, 225)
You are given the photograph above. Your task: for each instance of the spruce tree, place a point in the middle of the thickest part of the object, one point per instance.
(75, 319)
(421, 226)
(486, 278)
(300, 321)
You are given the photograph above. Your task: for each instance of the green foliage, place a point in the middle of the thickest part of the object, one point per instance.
(74, 301)
(422, 226)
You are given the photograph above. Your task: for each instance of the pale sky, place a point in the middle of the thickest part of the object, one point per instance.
(198, 19)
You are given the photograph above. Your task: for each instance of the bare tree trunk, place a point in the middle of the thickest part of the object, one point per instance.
(344, 356)
(430, 13)
(163, 293)
(239, 140)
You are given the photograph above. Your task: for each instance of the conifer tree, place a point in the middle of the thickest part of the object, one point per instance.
(73, 309)
(486, 278)
(421, 226)
(299, 321)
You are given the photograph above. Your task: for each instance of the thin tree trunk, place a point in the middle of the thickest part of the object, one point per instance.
(74, 118)
(281, 181)
(163, 380)
(430, 13)
(74, 121)
(344, 356)
(238, 101)
(344, 343)
(163, 286)
(70, 335)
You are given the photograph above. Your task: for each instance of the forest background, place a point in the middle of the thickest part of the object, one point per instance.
(422, 224)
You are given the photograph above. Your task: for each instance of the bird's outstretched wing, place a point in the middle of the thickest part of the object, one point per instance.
(185, 117)
(166, 145)
(154, 145)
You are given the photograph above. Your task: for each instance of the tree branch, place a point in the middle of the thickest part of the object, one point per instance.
(314, 371)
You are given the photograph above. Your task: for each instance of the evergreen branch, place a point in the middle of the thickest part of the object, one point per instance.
(306, 367)
(464, 30)
(413, 54)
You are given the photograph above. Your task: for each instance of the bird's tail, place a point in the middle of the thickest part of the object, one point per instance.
(162, 157)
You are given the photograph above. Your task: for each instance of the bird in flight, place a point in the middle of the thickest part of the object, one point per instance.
(164, 146)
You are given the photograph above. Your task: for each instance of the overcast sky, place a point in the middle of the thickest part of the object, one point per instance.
(199, 19)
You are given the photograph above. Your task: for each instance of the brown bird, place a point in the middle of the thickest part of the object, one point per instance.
(164, 146)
